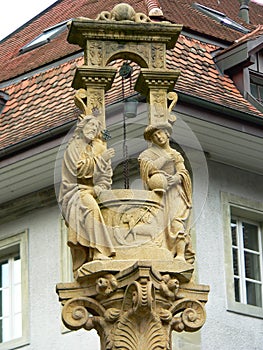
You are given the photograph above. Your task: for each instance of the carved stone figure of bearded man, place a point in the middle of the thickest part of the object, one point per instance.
(86, 171)
(163, 170)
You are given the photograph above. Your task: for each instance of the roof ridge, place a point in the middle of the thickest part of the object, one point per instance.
(252, 35)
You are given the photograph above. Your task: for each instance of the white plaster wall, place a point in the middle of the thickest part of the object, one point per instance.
(223, 329)
(44, 274)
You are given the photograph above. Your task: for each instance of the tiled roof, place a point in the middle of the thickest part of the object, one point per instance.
(182, 11)
(200, 78)
(45, 101)
(256, 33)
(13, 64)
(38, 104)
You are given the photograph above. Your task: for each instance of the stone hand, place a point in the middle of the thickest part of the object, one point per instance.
(173, 179)
(108, 154)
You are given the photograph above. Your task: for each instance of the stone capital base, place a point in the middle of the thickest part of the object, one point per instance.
(136, 306)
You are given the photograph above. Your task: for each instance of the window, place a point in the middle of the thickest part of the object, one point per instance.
(247, 261)
(45, 37)
(221, 18)
(13, 291)
(256, 90)
(10, 296)
(243, 223)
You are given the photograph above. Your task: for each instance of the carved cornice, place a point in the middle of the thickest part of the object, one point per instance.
(83, 29)
(96, 78)
(158, 79)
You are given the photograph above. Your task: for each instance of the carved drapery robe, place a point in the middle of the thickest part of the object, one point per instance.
(84, 174)
(177, 196)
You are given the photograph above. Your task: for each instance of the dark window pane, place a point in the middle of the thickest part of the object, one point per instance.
(235, 261)
(234, 232)
(254, 90)
(261, 93)
(237, 290)
(254, 296)
(250, 236)
(252, 266)
(260, 62)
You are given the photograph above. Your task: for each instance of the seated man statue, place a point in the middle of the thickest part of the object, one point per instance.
(86, 171)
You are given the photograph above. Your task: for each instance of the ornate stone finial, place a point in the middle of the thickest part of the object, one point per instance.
(123, 12)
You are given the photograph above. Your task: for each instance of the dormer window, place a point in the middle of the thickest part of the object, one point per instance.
(243, 62)
(220, 17)
(45, 37)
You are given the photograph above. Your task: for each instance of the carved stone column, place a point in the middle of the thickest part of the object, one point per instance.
(133, 278)
(156, 85)
(123, 33)
(95, 83)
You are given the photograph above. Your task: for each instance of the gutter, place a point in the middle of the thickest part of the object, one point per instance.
(223, 110)
(183, 97)
(36, 139)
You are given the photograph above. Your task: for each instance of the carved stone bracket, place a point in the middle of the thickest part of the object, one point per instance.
(136, 308)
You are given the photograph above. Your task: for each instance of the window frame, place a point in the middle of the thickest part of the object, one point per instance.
(66, 270)
(250, 210)
(241, 251)
(20, 239)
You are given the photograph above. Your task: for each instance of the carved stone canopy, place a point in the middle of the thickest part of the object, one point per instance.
(123, 33)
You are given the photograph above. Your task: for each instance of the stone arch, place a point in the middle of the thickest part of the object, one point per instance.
(129, 55)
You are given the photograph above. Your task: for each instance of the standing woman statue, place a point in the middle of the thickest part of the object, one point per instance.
(163, 170)
(86, 171)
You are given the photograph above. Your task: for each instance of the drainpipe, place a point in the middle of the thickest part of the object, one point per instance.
(244, 10)
(154, 9)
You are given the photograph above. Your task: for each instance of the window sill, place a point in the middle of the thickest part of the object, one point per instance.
(245, 309)
(14, 344)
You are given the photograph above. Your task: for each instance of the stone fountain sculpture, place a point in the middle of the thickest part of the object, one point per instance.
(131, 249)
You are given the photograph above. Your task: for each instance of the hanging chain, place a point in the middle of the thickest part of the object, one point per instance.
(125, 72)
